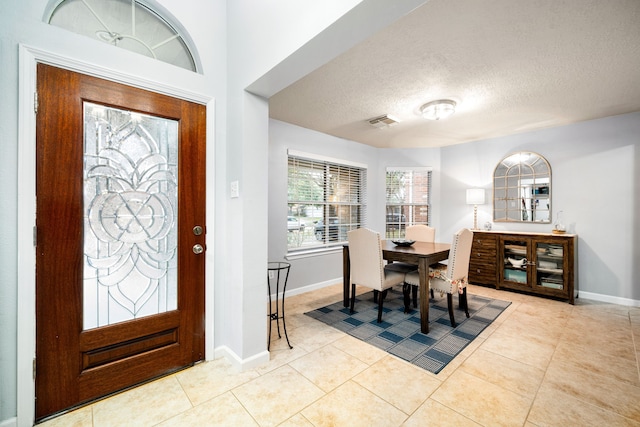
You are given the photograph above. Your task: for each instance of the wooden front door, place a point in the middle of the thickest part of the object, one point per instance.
(120, 182)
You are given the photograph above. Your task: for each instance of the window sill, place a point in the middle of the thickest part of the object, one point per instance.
(313, 252)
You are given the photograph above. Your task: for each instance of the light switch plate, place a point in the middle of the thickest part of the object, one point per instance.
(235, 189)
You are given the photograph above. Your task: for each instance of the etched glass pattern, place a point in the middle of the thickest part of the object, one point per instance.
(130, 215)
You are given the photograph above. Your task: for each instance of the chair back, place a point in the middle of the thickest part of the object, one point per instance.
(420, 233)
(458, 264)
(365, 254)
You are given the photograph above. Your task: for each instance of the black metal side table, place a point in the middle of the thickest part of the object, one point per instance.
(275, 272)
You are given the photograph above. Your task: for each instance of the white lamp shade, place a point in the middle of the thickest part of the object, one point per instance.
(475, 196)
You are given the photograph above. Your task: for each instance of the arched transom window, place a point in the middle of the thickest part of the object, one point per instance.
(135, 25)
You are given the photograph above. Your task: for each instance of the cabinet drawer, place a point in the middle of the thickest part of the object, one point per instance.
(482, 269)
(484, 243)
(484, 276)
(485, 256)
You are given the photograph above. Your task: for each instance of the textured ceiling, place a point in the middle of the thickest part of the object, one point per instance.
(511, 65)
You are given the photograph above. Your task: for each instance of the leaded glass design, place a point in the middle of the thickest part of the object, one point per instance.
(130, 215)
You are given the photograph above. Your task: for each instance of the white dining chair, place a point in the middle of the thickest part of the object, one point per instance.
(419, 233)
(367, 266)
(452, 277)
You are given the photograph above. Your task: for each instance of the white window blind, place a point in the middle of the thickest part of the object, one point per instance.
(325, 200)
(408, 199)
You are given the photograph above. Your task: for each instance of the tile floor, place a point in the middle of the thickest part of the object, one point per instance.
(541, 363)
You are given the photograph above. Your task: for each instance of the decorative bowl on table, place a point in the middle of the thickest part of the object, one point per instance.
(403, 242)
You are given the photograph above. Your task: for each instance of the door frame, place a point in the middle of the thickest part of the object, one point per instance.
(26, 204)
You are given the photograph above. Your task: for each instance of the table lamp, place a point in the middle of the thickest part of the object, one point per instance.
(475, 197)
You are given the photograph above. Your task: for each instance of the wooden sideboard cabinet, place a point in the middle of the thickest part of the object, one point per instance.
(538, 263)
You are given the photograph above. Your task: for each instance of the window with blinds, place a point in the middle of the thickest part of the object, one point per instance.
(325, 200)
(408, 199)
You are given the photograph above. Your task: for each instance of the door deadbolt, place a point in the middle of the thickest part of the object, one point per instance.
(198, 249)
(197, 230)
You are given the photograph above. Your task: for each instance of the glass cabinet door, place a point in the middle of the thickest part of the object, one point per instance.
(515, 261)
(550, 272)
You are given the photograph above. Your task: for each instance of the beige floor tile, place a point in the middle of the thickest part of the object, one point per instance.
(146, 405)
(82, 417)
(224, 410)
(210, 379)
(602, 391)
(298, 420)
(277, 395)
(600, 361)
(398, 382)
(435, 414)
(552, 407)
(279, 356)
(295, 319)
(525, 349)
(601, 310)
(524, 325)
(607, 338)
(328, 367)
(314, 335)
(504, 372)
(492, 405)
(352, 405)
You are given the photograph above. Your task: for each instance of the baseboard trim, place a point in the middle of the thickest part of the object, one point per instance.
(309, 288)
(609, 299)
(240, 364)
(11, 422)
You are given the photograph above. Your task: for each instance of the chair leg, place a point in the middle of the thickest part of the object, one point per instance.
(353, 297)
(432, 293)
(465, 302)
(414, 290)
(381, 297)
(450, 304)
(375, 296)
(406, 297)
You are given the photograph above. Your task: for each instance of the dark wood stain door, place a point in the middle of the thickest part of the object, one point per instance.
(74, 365)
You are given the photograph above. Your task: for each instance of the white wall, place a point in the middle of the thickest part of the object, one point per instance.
(595, 182)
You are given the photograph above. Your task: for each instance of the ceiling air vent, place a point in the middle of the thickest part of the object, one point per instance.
(383, 121)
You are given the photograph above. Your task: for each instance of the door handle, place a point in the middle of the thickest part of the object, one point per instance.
(198, 249)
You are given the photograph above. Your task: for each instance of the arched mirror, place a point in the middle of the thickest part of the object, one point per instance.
(522, 189)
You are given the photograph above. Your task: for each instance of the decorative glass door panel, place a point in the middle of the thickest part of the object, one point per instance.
(549, 265)
(515, 261)
(130, 215)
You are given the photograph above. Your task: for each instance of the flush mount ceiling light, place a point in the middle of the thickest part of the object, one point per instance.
(440, 109)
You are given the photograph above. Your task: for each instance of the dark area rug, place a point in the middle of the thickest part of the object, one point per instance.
(399, 333)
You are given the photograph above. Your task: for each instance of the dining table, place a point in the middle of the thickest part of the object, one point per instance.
(422, 254)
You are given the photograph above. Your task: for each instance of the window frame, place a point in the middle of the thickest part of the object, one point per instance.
(335, 202)
(408, 210)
